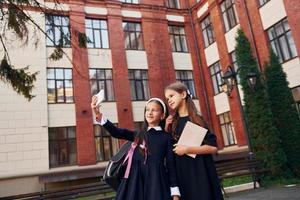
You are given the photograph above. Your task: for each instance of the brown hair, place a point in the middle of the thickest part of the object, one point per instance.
(194, 115)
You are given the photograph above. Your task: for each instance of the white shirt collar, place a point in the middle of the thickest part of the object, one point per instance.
(157, 128)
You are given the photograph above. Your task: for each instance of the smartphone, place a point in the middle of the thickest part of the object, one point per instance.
(100, 97)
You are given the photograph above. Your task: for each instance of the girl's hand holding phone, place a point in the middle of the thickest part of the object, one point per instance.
(176, 197)
(96, 102)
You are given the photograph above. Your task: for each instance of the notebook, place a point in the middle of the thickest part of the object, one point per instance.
(192, 135)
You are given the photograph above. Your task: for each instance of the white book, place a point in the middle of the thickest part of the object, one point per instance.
(100, 97)
(192, 136)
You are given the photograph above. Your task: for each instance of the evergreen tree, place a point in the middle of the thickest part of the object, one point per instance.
(285, 115)
(264, 136)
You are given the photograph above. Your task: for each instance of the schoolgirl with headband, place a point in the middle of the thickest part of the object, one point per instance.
(152, 173)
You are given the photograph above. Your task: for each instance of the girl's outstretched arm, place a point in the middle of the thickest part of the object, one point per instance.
(119, 133)
(110, 127)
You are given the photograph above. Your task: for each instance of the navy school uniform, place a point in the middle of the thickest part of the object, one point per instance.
(197, 177)
(150, 180)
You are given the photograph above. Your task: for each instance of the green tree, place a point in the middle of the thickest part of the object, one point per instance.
(15, 20)
(264, 136)
(285, 115)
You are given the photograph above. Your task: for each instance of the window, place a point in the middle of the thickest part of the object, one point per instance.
(62, 146)
(96, 31)
(173, 4)
(186, 77)
(102, 79)
(106, 146)
(130, 1)
(263, 2)
(59, 85)
(229, 14)
(227, 129)
(207, 31)
(282, 41)
(178, 39)
(215, 73)
(57, 28)
(234, 64)
(296, 95)
(133, 36)
(139, 85)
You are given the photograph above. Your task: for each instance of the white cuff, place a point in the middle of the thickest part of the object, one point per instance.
(103, 120)
(175, 191)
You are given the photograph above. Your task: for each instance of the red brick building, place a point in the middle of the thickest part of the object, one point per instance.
(135, 49)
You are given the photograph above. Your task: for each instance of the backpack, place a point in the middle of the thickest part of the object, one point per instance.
(115, 170)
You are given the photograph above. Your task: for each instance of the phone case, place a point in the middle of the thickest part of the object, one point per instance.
(100, 97)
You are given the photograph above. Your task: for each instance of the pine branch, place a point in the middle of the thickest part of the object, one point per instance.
(5, 49)
(59, 49)
(20, 79)
(18, 20)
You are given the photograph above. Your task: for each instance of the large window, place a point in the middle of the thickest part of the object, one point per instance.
(130, 1)
(263, 2)
(282, 41)
(234, 64)
(207, 31)
(178, 39)
(229, 14)
(215, 73)
(296, 95)
(173, 4)
(102, 79)
(106, 146)
(59, 85)
(227, 129)
(133, 36)
(58, 31)
(62, 146)
(186, 77)
(139, 85)
(96, 31)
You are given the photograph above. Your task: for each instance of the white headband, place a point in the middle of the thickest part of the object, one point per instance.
(160, 101)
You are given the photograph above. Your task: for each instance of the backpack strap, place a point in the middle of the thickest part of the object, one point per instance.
(130, 155)
(129, 158)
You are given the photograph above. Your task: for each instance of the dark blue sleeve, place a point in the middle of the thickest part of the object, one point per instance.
(210, 139)
(119, 133)
(170, 161)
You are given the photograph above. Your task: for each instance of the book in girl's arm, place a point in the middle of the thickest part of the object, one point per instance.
(192, 135)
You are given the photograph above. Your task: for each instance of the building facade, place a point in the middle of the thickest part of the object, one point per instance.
(135, 48)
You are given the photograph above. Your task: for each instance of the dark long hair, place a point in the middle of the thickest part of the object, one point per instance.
(194, 115)
(141, 135)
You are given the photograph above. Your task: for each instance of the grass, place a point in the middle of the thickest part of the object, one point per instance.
(266, 182)
(236, 181)
(281, 181)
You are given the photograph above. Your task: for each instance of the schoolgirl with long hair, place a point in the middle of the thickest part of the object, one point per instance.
(197, 177)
